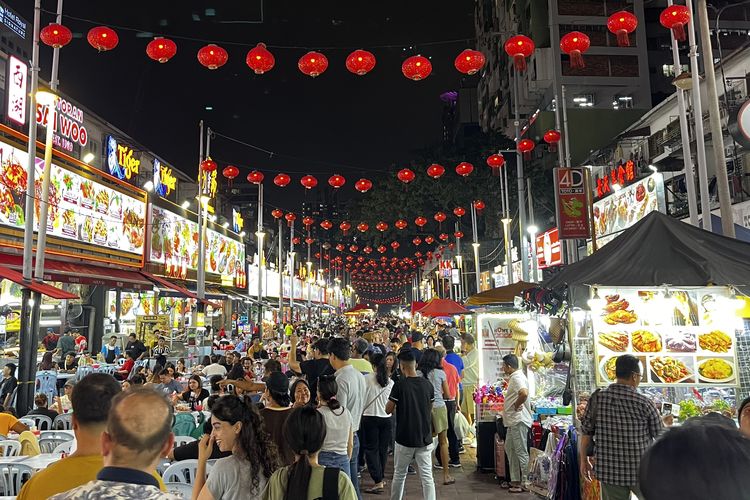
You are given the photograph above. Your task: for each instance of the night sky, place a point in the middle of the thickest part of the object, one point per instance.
(338, 122)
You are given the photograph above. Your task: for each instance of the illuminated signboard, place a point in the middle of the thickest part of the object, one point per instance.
(238, 223)
(629, 205)
(548, 252)
(12, 21)
(17, 82)
(68, 124)
(121, 160)
(620, 175)
(164, 180)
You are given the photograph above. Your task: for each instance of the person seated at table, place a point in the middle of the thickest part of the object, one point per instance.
(85, 359)
(190, 450)
(69, 364)
(160, 350)
(214, 367)
(47, 363)
(171, 368)
(9, 422)
(152, 376)
(128, 444)
(40, 400)
(62, 403)
(194, 395)
(168, 385)
(180, 368)
(270, 367)
(236, 372)
(50, 340)
(137, 379)
(81, 343)
(8, 385)
(124, 371)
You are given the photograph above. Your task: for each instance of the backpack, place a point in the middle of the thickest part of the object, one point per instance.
(331, 483)
(198, 432)
(184, 425)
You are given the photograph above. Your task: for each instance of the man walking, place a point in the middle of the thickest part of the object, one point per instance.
(517, 419)
(623, 423)
(469, 377)
(453, 380)
(412, 397)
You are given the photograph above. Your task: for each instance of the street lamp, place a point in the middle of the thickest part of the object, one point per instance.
(508, 258)
(148, 186)
(185, 204)
(533, 230)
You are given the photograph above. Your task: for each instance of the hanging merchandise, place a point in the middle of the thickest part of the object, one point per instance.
(435, 171)
(575, 44)
(55, 35)
(313, 64)
(622, 24)
(212, 56)
(360, 62)
(416, 68)
(259, 59)
(161, 49)
(675, 17)
(102, 38)
(469, 61)
(519, 48)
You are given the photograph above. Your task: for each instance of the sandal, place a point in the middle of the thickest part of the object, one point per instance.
(375, 490)
(505, 485)
(515, 489)
(450, 481)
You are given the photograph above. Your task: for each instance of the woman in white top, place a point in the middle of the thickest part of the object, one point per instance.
(376, 428)
(339, 441)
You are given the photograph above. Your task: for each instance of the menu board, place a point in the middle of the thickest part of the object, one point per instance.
(131, 304)
(79, 209)
(630, 204)
(681, 337)
(494, 342)
(174, 243)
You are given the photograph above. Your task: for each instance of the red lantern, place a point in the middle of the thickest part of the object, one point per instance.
(464, 169)
(401, 224)
(282, 180)
(345, 227)
(161, 49)
(296, 239)
(459, 211)
(340, 247)
(102, 38)
(443, 236)
(479, 206)
(360, 62)
(418, 254)
(440, 217)
(230, 172)
(276, 213)
(395, 245)
(458, 234)
(526, 146)
(519, 48)
(336, 181)
(405, 175)
(55, 35)
(326, 224)
(381, 226)
(496, 162)
(313, 64)
(362, 227)
(208, 165)
(259, 59)
(255, 177)
(469, 61)
(290, 218)
(429, 240)
(310, 241)
(420, 221)
(363, 185)
(308, 182)
(353, 248)
(367, 250)
(435, 171)
(307, 221)
(552, 137)
(575, 44)
(212, 56)
(622, 24)
(417, 241)
(382, 249)
(675, 17)
(416, 68)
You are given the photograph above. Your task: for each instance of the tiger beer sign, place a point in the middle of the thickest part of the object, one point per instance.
(572, 192)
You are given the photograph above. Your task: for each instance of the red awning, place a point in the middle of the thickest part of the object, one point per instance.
(35, 286)
(417, 305)
(442, 307)
(177, 288)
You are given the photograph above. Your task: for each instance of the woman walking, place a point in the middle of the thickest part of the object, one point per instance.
(339, 441)
(432, 370)
(377, 430)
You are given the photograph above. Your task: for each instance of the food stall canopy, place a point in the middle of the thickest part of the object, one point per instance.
(359, 309)
(502, 295)
(159, 281)
(417, 305)
(660, 250)
(442, 307)
(36, 286)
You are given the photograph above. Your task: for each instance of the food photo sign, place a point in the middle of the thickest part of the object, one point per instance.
(682, 337)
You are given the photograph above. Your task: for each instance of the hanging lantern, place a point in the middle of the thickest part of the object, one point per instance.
(405, 175)
(255, 177)
(416, 68)
(458, 234)
(230, 172)
(362, 227)
(418, 254)
(282, 180)
(363, 185)
(296, 239)
(307, 221)
(308, 182)
(552, 137)
(161, 49)
(429, 240)
(575, 44)
(367, 249)
(519, 48)
(479, 205)
(526, 146)
(276, 213)
(360, 62)
(208, 165)
(290, 218)
(102, 38)
(420, 221)
(336, 181)
(395, 245)
(400, 224)
(381, 226)
(435, 171)
(310, 241)
(345, 227)
(55, 35)
(464, 169)
(443, 236)
(417, 241)
(675, 17)
(622, 24)
(496, 162)
(326, 224)
(469, 61)
(313, 64)
(353, 248)
(340, 247)
(382, 249)
(259, 59)
(459, 211)
(440, 217)
(212, 56)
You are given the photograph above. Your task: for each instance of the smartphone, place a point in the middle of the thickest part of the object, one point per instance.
(666, 409)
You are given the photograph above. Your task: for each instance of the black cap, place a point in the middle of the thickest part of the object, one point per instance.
(416, 336)
(277, 382)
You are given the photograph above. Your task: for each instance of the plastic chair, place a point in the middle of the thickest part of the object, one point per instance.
(180, 440)
(82, 371)
(120, 361)
(62, 436)
(64, 447)
(48, 445)
(39, 420)
(182, 490)
(46, 383)
(13, 477)
(27, 421)
(63, 421)
(10, 448)
(183, 471)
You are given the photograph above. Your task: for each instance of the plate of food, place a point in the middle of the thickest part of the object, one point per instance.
(615, 341)
(681, 342)
(715, 341)
(716, 370)
(669, 370)
(607, 367)
(646, 341)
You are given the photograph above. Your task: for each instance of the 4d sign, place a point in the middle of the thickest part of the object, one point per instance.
(621, 175)
(572, 192)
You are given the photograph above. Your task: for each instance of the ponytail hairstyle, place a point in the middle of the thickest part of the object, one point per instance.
(328, 388)
(305, 431)
(260, 453)
(381, 372)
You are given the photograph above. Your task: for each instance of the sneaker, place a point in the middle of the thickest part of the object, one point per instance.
(454, 464)
(411, 471)
(461, 449)
(438, 466)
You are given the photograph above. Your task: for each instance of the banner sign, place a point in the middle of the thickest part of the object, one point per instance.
(571, 189)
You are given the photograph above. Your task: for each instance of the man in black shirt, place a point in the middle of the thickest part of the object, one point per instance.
(8, 385)
(412, 396)
(314, 368)
(236, 371)
(417, 344)
(135, 345)
(40, 400)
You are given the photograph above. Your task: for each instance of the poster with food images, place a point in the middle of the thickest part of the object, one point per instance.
(621, 209)
(680, 336)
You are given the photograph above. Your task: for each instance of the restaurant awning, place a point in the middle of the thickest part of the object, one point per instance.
(35, 286)
(442, 307)
(165, 283)
(502, 295)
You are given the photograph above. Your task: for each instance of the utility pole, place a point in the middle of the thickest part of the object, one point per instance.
(523, 247)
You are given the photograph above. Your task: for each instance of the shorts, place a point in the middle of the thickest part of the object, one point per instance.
(439, 420)
(467, 403)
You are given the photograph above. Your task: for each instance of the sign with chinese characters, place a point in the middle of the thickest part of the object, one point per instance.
(621, 175)
(68, 124)
(572, 192)
(17, 90)
(548, 249)
(164, 180)
(627, 206)
(121, 160)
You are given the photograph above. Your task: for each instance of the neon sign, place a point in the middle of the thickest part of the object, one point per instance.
(121, 160)
(621, 175)
(164, 180)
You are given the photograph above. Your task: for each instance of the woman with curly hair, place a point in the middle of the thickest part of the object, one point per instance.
(237, 427)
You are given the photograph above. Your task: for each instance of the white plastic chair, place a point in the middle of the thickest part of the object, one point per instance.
(63, 421)
(120, 361)
(183, 471)
(39, 420)
(10, 448)
(182, 490)
(82, 371)
(64, 447)
(48, 445)
(180, 440)
(13, 477)
(62, 436)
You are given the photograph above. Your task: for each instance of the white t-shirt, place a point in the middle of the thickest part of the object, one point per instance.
(376, 397)
(215, 369)
(512, 417)
(338, 426)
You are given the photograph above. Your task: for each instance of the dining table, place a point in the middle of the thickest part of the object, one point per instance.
(37, 463)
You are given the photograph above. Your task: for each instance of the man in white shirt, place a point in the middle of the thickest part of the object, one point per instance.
(469, 375)
(517, 419)
(215, 368)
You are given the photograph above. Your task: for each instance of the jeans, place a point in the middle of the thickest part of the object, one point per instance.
(376, 434)
(518, 453)
(613, 492)
(452, 439)
(402, 457)
(331, 459)
(354, 466)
